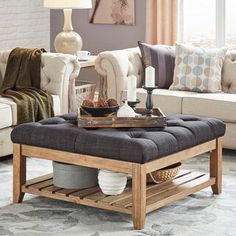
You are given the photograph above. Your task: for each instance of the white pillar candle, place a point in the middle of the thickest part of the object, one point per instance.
(150, 77)
(131, 85)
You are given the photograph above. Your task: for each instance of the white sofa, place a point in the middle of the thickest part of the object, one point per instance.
(115, 67)
(57, 72)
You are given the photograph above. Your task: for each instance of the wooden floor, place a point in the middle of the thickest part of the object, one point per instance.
(157, 195)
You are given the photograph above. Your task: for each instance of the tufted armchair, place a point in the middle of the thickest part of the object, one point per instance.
(57, 73)
(115, 68)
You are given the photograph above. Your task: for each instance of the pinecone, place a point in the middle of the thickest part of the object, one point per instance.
(87, 103)
(112, 102)
(102, 103)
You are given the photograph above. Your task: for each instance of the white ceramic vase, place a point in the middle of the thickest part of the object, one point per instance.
(126, 111)
(112, 183)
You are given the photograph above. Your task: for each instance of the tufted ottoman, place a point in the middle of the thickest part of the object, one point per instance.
(133, 151)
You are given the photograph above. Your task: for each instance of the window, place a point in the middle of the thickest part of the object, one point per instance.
(207, 23)
(230, 22)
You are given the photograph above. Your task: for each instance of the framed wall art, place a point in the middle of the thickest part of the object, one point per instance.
(115, 12)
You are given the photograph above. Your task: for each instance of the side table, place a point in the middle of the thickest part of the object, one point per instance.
(72, 93)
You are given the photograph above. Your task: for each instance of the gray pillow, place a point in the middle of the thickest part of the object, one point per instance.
(162, 58)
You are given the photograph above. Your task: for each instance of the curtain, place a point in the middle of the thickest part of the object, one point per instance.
(161, 21)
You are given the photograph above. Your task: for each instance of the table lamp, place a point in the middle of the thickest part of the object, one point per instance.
(68, 41)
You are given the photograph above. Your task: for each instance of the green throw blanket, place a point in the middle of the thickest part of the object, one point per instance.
(22, 84)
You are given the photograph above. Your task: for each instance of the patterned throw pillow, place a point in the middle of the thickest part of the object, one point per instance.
(198, 69)
(228, 81)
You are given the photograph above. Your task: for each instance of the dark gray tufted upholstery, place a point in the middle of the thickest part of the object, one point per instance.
(136, 145)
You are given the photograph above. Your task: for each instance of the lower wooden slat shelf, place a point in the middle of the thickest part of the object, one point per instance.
(177, 192)
(157, 195)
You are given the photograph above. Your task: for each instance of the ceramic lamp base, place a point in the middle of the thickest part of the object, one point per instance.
(68, 42)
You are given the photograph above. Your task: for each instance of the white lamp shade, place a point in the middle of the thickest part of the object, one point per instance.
(68, 4)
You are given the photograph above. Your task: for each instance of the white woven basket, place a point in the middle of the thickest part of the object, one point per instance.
(164, 174)
(84, 90)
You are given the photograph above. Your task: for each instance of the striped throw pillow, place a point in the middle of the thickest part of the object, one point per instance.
(162, 58)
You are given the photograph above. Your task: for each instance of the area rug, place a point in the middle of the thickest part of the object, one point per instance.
(199, 214)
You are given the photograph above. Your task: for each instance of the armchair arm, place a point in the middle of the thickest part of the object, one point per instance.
(115, 67)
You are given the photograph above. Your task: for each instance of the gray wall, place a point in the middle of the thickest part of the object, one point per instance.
(97, 37)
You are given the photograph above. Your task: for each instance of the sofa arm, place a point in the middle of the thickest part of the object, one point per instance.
(115, 67)
(57, 73)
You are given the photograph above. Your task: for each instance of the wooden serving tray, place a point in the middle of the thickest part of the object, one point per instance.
(158, 119)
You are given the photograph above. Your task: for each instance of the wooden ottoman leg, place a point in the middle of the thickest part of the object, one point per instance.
(19, 173)
(139, 196)
(216, 166)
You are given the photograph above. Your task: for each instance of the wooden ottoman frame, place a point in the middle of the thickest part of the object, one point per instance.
(139, 198)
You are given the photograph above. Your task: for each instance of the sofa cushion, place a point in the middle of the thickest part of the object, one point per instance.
(221, 106)
(229, 73)
(162, 58)
(56, 105)
(6, 115)
(230, 136)
(167, 100)
(8, 111)
(13, 109)
(198, 69)
(5, 142)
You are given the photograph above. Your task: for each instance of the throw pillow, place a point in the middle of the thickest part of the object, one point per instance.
(162, 58)
(198, 69)
(229, 72)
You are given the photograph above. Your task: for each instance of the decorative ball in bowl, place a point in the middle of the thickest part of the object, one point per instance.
(100, 108)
